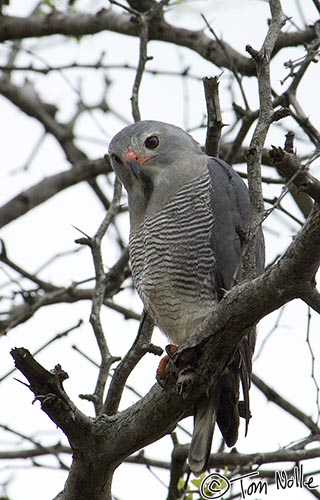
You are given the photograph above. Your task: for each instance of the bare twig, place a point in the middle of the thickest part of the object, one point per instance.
(275, 397)
(51, 185)
(58, 336)
(270, 333)
(139, 348)
(185, 72)
(39, 451)
(313, 363)
(33, 300)
(262, 60)
(232, 65)
(276, 204)
(254, 153)
(214, 119)
(248, 117)
(143, 20)
(317, 5)
(44, 285)
(236, 459)
(95, 244)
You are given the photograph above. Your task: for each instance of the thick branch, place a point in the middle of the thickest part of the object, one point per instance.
(312, 297)
(47, 388)
(291, 169)
(221, 54)
(12, 28)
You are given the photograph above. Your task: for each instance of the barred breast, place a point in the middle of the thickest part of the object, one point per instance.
(173, 262)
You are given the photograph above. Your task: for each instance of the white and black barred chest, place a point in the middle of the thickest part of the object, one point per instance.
(173, 263)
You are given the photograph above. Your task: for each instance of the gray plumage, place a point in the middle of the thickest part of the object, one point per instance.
(185, 209)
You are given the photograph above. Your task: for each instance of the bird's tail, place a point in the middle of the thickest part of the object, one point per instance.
(204, 422)
(221, 406)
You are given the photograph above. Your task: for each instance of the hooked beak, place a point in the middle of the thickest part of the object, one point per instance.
(136, 162)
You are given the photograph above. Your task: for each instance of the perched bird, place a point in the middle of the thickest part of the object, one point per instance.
(185, 213)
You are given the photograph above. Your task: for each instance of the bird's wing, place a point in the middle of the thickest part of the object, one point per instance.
(231, 211)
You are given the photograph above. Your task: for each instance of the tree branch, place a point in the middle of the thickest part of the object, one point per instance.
(32, 197)
(273, 396)
(139, 348)
(48, 390)
(35, 299)
(254, 154)
(98, 298)
(311, 296)
(291, 169)
(28, 101)
(235, 459)
(13, 28)
(55, 450)
(262, 60)
(214, 119)
(143, 20)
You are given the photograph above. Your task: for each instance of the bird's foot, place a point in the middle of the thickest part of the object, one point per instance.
(183, 377)
(186, 382)
(161, 374)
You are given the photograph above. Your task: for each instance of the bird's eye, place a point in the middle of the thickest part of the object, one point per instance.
(116, 159)
(151, 142)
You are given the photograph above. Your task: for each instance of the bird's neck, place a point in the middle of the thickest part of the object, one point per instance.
(149, 196)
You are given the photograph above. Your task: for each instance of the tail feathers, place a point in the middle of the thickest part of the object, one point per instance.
(204, 423)
(222, 405)
(228, 414)
(246, 349)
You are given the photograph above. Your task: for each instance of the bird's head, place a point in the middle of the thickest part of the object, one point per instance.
(150, 149)
(153, 160)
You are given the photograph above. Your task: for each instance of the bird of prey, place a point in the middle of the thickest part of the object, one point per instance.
(185, 213)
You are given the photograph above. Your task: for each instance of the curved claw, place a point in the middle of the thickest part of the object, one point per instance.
(161, 370)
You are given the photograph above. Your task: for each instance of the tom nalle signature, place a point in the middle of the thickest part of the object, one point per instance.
(216, 485)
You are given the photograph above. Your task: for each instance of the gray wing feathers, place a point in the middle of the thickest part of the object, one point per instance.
(231, 209)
